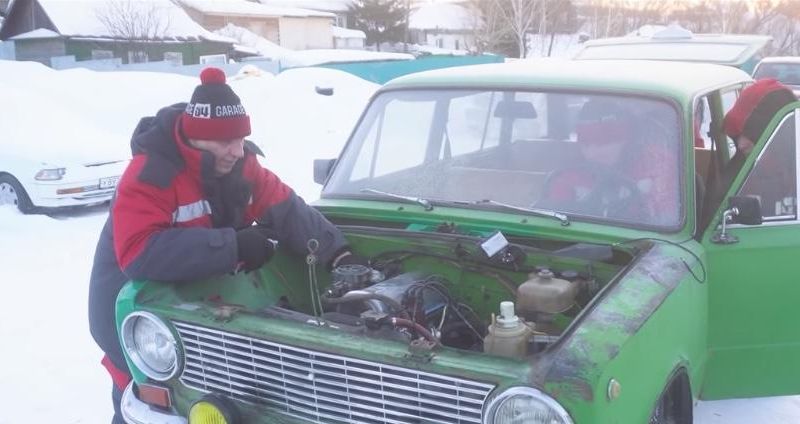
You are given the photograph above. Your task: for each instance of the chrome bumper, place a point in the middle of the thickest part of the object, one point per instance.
(135, 411)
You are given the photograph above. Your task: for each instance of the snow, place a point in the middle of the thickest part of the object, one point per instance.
(50, 369)
(444, 16)
(338, 6)
(320, 56)
(52, 373)
(296, 58)
(340, 32)
(84, 18)
(40, 33)
(250, 9)
(563, 45)
(250, 39)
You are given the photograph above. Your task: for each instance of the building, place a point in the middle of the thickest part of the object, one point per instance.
(289, 27)
(49, 31)
(446, 25)
(340, 8)
(344, 38)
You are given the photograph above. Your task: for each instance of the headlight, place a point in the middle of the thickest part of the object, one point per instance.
(150, 345)
(50, 174)
(526, 405)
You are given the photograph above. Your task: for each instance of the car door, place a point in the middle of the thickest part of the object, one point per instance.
(754, 282)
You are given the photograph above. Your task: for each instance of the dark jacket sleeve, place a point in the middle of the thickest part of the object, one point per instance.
(293, 221)
(148, 247)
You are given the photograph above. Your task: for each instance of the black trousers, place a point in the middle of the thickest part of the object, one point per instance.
(116, 399)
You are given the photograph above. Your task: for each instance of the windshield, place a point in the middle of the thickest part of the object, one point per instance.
(787, 73)
(700, 52)
(604, 157)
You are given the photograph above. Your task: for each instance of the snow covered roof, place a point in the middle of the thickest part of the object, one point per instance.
(340, 32)
(251, 9)
(445, 16)
(40, 33)
(249, 39)
(83, 18)
(335, 6)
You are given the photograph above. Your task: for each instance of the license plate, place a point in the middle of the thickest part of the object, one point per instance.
(108, 182)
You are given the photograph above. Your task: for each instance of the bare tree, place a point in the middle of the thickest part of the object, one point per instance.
(138, 23)
(489, 30)
(521, 17)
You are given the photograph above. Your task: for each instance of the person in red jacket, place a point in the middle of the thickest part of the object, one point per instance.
(623, 173)
(185, 208)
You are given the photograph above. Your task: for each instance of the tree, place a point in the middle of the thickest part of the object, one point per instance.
(139, 24)
(381, 20)
(521, 17)
(489, 29)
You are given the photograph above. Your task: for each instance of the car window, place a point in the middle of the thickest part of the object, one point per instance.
(787, 73)
(606, 157)
(531, 127)
(471, 126)
(773, 178)
(702, 123)
(385, 148)
(691, 51)
(728, 100)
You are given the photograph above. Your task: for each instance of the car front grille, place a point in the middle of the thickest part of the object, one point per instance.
(322, 387)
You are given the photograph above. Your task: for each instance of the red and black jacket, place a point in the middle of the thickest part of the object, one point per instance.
(173, 220)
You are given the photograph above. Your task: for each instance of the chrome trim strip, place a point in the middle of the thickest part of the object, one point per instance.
(323, 387)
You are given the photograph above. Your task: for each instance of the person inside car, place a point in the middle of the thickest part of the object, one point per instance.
(185, 208)
(745, 123)
(622, 173)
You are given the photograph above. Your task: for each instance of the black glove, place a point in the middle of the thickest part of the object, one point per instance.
(349, 258)
(254, 248)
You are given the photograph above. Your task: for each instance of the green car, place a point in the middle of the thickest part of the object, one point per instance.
(548, 243)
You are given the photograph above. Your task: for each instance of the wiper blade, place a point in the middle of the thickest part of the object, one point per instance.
(538, 212)
(418, 200)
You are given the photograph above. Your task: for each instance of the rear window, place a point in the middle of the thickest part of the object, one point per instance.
(700, 52)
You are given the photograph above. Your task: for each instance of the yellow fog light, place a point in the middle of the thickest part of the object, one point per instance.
(213, 409)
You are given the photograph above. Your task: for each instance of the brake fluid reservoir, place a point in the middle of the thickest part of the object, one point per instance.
(508, 335)
(543, 293)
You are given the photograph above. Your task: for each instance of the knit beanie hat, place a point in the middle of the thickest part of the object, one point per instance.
(215, 111)
(603, 122)
(755, 107)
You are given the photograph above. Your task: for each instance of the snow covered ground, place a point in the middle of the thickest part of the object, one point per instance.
(49, 365)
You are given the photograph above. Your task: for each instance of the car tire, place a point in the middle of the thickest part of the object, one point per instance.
(675, 404)
(12, 192)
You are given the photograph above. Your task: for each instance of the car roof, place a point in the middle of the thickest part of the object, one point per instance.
(675, 43)
(672, 79)
(781, 59)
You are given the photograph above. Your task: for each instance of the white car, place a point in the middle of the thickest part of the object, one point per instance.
(785, 69)
(675, 43)
(33, 185)
(56, 151)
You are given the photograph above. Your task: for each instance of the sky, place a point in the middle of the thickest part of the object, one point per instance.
(50, 369)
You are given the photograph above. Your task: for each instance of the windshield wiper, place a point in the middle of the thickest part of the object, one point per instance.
(538, 212)
(418, 200)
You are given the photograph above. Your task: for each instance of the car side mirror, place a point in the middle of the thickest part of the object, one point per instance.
(322, 168)
(748, 210)
(744, 210)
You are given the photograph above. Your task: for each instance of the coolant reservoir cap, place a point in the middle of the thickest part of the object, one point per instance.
(353, 274)
(507, 318)
(545, 274)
